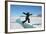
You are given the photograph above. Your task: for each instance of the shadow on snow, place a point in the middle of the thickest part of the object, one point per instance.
(25, 25)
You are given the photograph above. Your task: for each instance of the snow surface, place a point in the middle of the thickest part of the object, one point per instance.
(16, 22)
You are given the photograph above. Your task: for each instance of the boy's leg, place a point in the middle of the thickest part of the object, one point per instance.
(28, 20)
(24, 21)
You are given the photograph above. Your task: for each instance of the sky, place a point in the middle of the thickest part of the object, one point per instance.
(17, 10)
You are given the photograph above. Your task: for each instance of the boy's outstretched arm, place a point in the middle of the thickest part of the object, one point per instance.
(30, 14)
(24, 13)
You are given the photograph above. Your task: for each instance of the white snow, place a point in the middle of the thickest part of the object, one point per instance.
(16, 26)
(33, 20)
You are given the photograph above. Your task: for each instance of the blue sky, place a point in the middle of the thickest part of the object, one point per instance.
(17, 10)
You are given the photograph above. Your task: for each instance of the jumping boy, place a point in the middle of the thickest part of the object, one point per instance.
(27, 17)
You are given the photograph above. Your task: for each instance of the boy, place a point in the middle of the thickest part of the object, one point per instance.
(27, 17)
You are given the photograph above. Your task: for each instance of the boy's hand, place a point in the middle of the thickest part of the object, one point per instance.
(30, 14)
(23, 12)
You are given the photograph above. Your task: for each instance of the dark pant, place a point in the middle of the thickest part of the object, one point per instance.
(26, 20)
